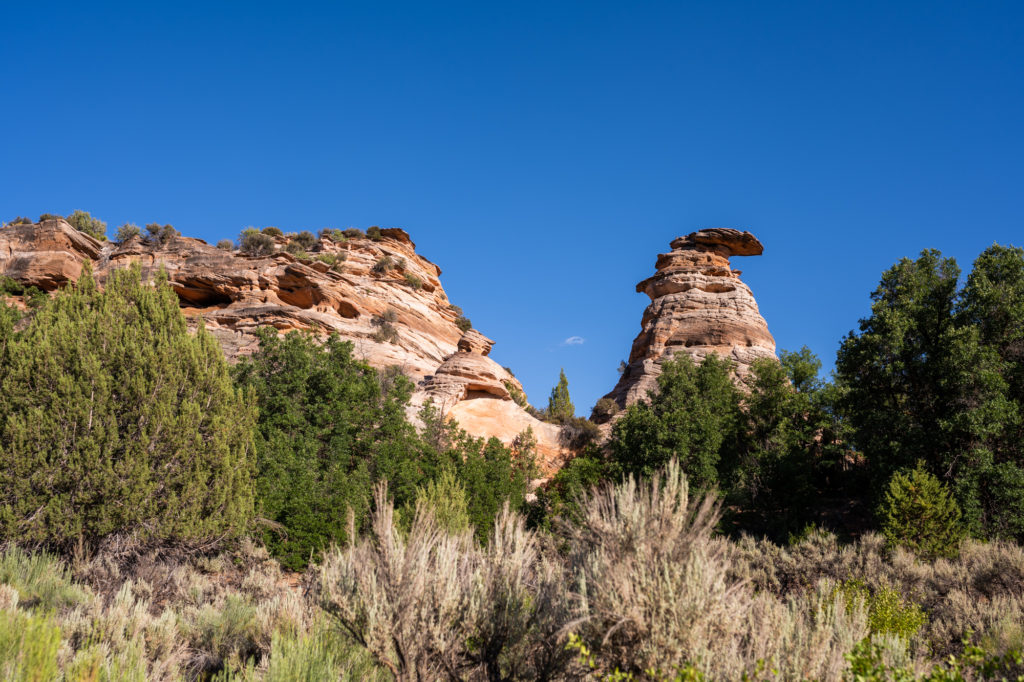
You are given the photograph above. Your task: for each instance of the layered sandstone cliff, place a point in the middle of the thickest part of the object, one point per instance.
(698, 306)
(379, 294)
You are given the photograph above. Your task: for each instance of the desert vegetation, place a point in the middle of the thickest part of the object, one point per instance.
(165, 516)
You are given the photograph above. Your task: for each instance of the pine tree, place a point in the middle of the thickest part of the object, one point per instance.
(560, 407)
(116, 420)
(919, 513)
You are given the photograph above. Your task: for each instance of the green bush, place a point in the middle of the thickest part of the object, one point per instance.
(21, 220)
(413, 281)
(888, 612)
(463, 323)
(578, 432)
(34, 297)
(116, 420)
(42, 582)
(50, 216)
(374, 233)
(226, 245)
(83, 222)
(160, 235)
(384, 265)
(328, 429)
(333, 234)
(126, 232)
(305, 239)
(517, 396)
(693, 417)
(919, 513)
(353, 233)
(252, 242)
(28, 646)
(605, 409)
(272, 231)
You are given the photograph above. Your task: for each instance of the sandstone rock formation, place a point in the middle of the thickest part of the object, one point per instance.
(698, 306)
(379, 294)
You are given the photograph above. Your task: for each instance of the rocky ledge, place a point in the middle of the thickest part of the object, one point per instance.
(377, 293)
(698, 306)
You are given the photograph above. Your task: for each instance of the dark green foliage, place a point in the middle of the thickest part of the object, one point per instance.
(933, 376)
(327, 431)
(21, 220)
(126, 232)
(353, 233)
(560, 407)
(272, 231)
(463, 323)
(305, 239)
(116, 420)
(693, 417)
(83, 222)
(160, 235)
(252, 242)
(330, 427)
(374, 233)
(226, 245)
(50, 216)
(490, 473)
(33, 296)
(919, 513)
(455, 309)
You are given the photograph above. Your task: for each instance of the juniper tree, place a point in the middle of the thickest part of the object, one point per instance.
(919, 513)
(115, 419)
(560, 407)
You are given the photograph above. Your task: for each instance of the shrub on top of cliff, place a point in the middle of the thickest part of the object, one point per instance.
(463, 323)
(328, 427)
(226, 245)
(50, 216)
(160, 235)
(126, 232)
(21, 220)
(305, 239)
(353, 233)
(252, 242)
(272, 231)
(83, 222)
(919, 513)
(334, 260)
(605, 409)
(374, 233)
(116, 420)
(333, 234)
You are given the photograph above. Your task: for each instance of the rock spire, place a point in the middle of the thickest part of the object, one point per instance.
(698, 306)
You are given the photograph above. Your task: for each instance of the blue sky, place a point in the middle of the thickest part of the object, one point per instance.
(542, 153)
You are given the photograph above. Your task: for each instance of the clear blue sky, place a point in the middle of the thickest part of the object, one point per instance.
(542, 153)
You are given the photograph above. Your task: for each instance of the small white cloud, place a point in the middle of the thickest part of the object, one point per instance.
(574, 341)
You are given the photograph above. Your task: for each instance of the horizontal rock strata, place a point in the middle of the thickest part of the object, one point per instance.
(698, 306)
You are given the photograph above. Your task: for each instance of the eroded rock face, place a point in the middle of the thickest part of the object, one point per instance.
(380, 295)
(477, 392)
(698, 306)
